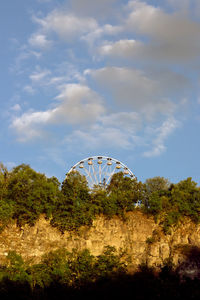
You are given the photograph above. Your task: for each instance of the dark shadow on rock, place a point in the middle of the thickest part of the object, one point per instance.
(190, 267)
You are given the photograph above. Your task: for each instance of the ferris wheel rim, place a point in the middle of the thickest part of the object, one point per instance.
(102, 157)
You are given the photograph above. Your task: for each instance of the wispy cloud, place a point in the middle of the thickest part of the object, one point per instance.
(161, 134)
(16, 107)
(39, 75)
(39, 41)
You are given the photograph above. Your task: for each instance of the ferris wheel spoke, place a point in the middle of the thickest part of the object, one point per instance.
(89, 175)
(95, 175)
(111, 174)
(107, 172)
(90, 184)
(100, 174)
(104, 168)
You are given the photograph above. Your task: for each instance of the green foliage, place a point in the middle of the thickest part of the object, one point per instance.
(31, 193)
(75, 186)
(74, 207)
(77, 206)
(123, 194)
(53, 267)
(68, 269)
(4, 177)
(74, 268)
(154, 189)
(80, 275)
(26, 194)
(51, 280)
(108, 263)
(172, 201)
(6, 213)
(16, 268)
(185, 198)
(171, 218)
(155, 203)
(6, 207)
(157, 184)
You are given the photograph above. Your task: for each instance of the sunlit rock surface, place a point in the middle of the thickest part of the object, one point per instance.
(138, 237)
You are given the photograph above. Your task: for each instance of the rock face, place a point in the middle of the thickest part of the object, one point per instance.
(139, 238)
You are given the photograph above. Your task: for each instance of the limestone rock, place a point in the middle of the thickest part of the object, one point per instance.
(138, 237)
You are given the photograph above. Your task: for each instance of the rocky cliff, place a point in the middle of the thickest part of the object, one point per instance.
(138, 237)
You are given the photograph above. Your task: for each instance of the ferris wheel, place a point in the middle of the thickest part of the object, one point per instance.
(99, 170)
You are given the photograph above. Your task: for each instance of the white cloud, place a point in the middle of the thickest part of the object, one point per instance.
(97, 8)
(122, 48)
(100, 137)
(29, 89)
(174, 40)
(28, 125)
(100, 32)
(134, 89)
(67, 25)
(116, 130)
(77, 104)
(72, 25)
(128, 121)
(162, 133)
(141, 36)
(23, 56)
(181, 5)
(80, 103)
(172, 37)
(16, 107)
(39, 75)
(39, 41)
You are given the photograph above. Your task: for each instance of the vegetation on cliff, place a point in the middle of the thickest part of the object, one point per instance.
(79, 275)
(26, 194)
(70, 268)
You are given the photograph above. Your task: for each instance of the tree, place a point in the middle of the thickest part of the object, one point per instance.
(32, 194)
(155, 192)
(74, 207)
(75, 185)
(154, 203)
(6, 207)
(124, 192)
(185, 199)
(157, 184)
(16, 270)
(4, 177)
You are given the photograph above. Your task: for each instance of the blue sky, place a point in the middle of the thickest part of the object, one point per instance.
(105, 77)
